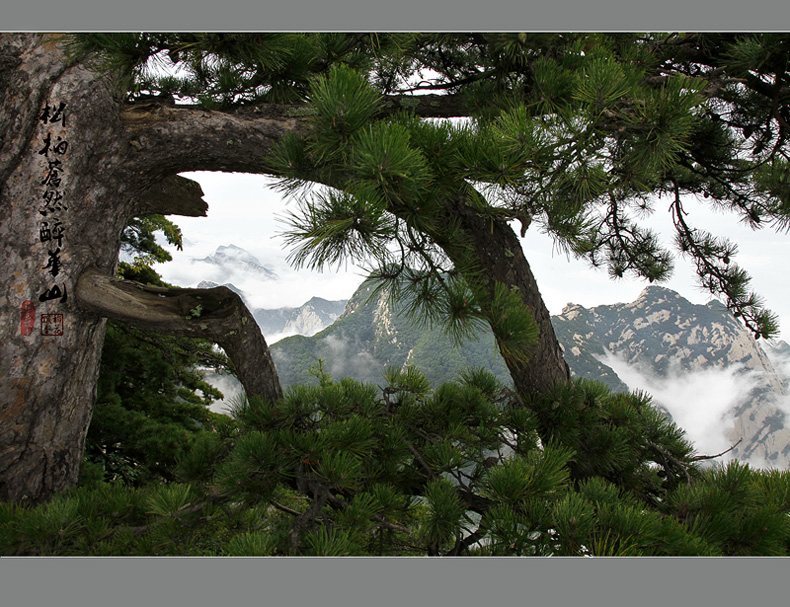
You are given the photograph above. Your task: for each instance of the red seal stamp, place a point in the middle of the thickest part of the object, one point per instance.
(28, 317)
(52, 325)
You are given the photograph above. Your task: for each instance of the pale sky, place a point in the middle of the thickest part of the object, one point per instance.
(243, 210)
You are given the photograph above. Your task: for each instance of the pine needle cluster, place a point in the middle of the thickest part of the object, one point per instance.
(342, 468)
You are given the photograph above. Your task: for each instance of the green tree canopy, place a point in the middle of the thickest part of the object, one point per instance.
(341, 468)
(576, 134)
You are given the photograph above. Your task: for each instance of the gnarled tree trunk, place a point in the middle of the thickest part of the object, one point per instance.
(499, 254)
(71, 175)
(62, 208)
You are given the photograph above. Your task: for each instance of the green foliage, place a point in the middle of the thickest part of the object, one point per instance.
(614, 436)
(731, 512)
(342, 468)
(512, 323)
(442, 525)
(169, 499)
(151, 404)
(219, 69)
(328, 542)
(250, 544)
(138, 239)
(338, 227)
(345, 104)
(152, 398)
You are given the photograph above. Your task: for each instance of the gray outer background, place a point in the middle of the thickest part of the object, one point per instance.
(414, 15)
(46, 582)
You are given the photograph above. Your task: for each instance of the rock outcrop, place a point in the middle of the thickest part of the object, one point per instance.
(665, 335)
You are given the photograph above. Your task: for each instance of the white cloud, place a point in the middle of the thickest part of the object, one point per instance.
(230, 387)
(699, 401)
(244, 210)
(343, 364)
(275, 337)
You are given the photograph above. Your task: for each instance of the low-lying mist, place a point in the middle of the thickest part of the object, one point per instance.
(701, 401)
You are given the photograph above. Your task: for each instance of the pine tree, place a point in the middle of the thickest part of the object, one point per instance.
(574, 134)
(342, 468)
(578, 133)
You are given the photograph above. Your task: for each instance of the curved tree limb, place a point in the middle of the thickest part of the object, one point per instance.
(175, 138)
(217, 314)
(174, 195)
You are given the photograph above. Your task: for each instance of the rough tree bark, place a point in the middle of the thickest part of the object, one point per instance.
(49, 355)
(75, 164)
(498, 253)
(217, 314)
(71, 176)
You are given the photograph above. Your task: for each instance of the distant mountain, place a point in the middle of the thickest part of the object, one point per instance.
(665, 336)
(778, 351)
(663, 330)
(660, 333)
(370, 336)
(308, 319)
(235, 258)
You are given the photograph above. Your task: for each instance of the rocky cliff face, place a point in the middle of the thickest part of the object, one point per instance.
(308, 319)
(370, 336)
(665, 336)
(657, 341)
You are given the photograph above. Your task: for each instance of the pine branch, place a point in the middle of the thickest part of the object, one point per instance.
(320, 497)
(668, 458)
(431, 474)
(284, 508)
(730, 282)
(341, 504)
(697, 458)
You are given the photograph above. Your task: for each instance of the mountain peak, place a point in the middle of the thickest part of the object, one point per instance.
(658, 293)
(572, 310)
(662, 339)
(234, 257)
